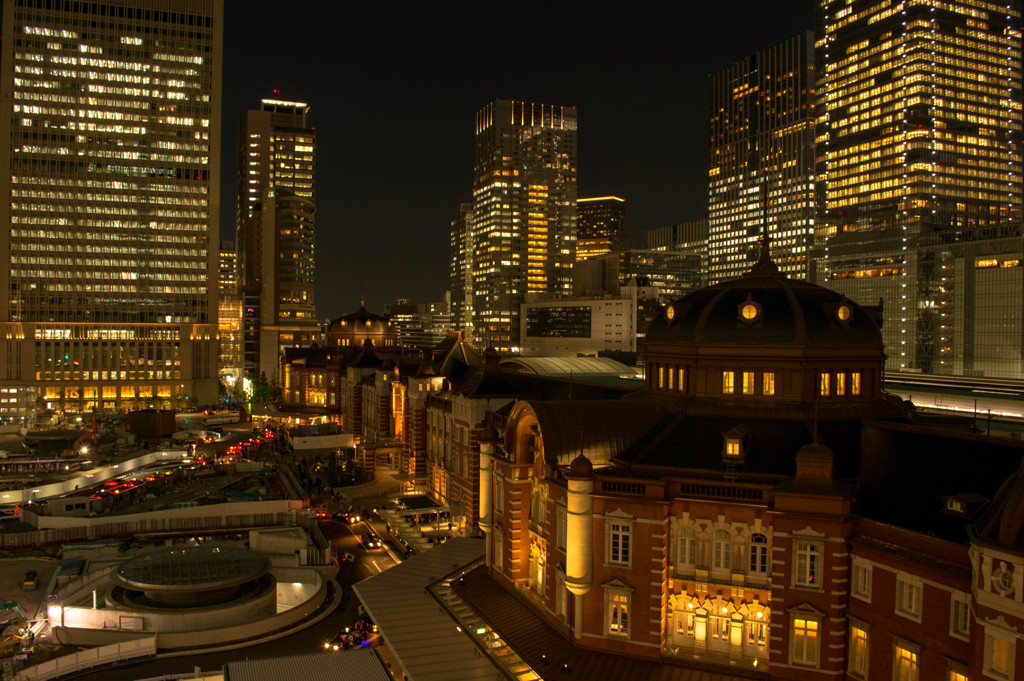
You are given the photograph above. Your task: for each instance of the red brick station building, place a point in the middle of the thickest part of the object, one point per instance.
(761, 508)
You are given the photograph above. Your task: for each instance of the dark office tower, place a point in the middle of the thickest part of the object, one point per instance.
(276, 225)
(461, 273)
(600, 226)
(524, 213)
(919, 134)
(110, 186)
(761, 160)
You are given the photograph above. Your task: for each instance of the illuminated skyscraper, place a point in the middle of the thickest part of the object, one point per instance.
(276, 225)
(762, 140)
(524, 213)
(110, 178)
(919, 132)
(461, 272)
(229, 318)
(600, 226)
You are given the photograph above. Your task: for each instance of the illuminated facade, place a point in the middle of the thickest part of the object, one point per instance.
(600, 226)
(919, 132)
(229, 317)
(461, 274)
(761, 509)
(762, 139)
(524, 213)
(276, 225)
(110, 170)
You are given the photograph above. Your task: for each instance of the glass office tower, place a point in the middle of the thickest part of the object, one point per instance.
(761, 160)
(276, 229)
(919, 133)
(109, 169)
(524, 213)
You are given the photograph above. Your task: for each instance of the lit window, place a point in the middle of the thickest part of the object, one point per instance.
(823, 383)
(748, 382)
(758, 554)
(685, 623)
(768, 385)
(757, 634)
(661, 377)
(732, 448)
(805, 642)
(719, 628)
(905, 665)
(840, 383)
(618, 612)
(728, 382)
(671, 378)
(858, 651)
(999, 654)
(808, 563)
(908, 596)
(855, 383)
(681, 385)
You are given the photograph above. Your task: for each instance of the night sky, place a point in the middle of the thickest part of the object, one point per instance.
(394, 87)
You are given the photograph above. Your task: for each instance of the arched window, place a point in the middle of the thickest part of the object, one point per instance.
(758, 554)
(687, 548)
(721, 551)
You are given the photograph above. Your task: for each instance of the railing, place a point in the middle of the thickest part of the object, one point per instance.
(721, 491)
(620, 487)
(85, 659)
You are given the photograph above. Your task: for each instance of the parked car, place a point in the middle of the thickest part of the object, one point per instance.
(31, 581)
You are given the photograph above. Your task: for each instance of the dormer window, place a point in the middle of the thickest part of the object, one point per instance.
(732, 445)
(844, 313)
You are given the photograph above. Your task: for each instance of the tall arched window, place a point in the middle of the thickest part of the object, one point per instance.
(758, 554)
(721, 551)
(687, 557)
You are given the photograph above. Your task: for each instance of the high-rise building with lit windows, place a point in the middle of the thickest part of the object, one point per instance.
(919, 134)
(229, 317)
(275, 229)
(110, 178)
(461, 269)
(761, 163)
(524, 213)
(600, 226)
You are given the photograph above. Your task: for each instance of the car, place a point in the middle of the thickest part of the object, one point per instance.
(372, 541)
(346, 639)
(31, 581)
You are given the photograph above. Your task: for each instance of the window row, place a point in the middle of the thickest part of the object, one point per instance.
(908, 600)
(721, 552)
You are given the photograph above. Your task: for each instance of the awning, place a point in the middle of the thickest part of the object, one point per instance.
(420, 633)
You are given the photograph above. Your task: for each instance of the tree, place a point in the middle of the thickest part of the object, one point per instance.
(261, 390)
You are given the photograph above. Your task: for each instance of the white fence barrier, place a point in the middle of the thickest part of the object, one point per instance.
(86, 659)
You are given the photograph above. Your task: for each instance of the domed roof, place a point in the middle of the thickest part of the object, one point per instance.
(581, 467)
(766, 307)
(361, 321)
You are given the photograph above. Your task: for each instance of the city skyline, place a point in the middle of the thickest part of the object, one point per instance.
(395, 137)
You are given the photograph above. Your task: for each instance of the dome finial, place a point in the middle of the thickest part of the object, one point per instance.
(765, 266)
